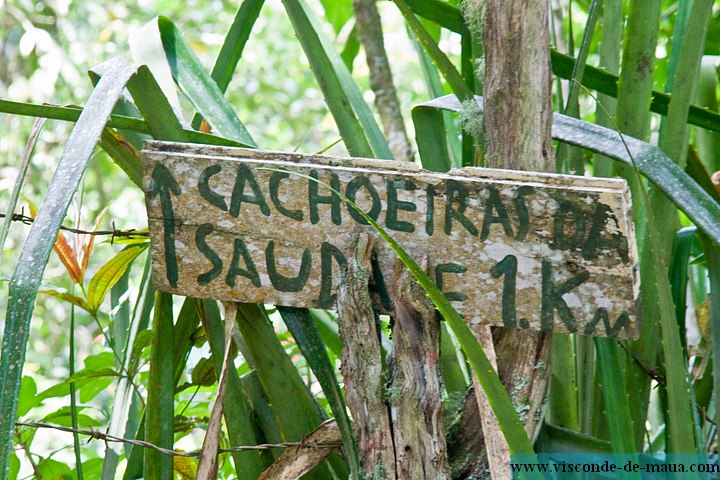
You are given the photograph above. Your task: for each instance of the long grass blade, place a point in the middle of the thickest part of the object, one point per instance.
(297, 413)
(622, 433)
(445, 66)
(235, 41)
(20, 179)
(306, 335)
(241, 425)
(197, 85)
(233, 47)
(355, 121)
(123, 418)
(25, 281)
(160, 416)
(572, 157)
(607, 83)
(682, 249)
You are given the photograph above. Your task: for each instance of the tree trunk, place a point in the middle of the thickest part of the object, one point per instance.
(518, 122)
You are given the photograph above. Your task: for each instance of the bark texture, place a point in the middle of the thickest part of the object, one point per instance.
(416, 393)
(369, 28)
(297, 461)
(362, 368)
(400, 430)
(518, 113)
(518, 123)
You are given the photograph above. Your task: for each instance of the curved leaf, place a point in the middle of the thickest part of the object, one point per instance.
(649, 160)
(26, 279)
(355, 121)
(191, 77)
(110, 273)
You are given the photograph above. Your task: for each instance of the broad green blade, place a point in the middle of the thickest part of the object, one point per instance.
(442, 13)
(233, 47)
(124, 421)
(293, 403)
(354, 119)
(430, 124)
(603, 82)
(674, 131)
(708, 143)
(306, 335)
(72, 114)
(682, 249)
(160, 410)
(622, 433)
(198, 86)
(25, 281)
(239, 419)
(443, 63)
(235, 41)
(652, 163)
(571, 159)
(125, 155)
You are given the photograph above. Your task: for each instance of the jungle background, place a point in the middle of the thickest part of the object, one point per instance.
(90, 344)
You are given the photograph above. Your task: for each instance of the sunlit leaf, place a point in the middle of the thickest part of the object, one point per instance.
(110, 273)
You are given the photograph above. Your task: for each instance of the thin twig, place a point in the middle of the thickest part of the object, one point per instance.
(98, 435)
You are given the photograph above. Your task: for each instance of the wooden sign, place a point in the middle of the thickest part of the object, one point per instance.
(520, 250)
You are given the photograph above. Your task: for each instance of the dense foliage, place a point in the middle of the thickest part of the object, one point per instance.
(293, 77)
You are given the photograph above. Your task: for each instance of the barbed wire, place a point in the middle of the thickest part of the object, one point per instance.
(115, 233)
(105, 437)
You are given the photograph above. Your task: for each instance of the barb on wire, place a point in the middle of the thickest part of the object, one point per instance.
(115, 233)
(98, 435)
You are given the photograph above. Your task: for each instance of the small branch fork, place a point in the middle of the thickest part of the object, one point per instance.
(97, 435)
(115, 233)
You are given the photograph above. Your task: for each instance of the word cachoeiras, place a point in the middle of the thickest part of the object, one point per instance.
(516, 249)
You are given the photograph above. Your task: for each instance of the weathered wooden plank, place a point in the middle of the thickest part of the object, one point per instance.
(509, 248)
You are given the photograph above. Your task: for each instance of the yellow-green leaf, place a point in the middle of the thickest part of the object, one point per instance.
(110, 273)
(74, 299)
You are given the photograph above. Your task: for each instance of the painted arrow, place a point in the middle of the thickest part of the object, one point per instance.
(164, 184)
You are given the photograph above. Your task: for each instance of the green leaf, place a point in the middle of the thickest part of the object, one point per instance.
(300, 324)
(28, 396)
(72, 114)
(622, 434)
(447, 69)
(682, 249)
(160, 410)
(607, 83)
(125, 155)
(20, 180)
(110, 273)
(26, 279)
(355, 121)
(192, 78)
(63, 417)
(295, 408)
(239, 418)
(441, 13)
(234, 43)
(50, 468)
(203, 374)
(68, 297)
(337, 12)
